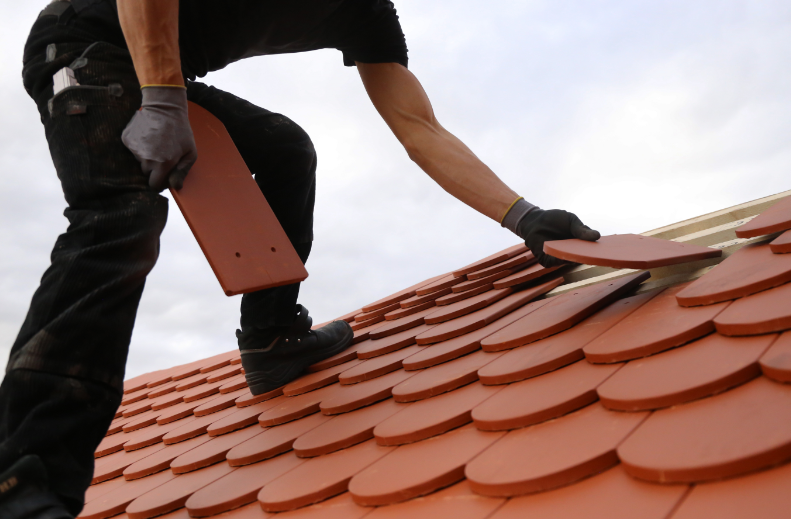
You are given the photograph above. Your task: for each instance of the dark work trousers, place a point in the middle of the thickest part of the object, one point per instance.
(63, 381)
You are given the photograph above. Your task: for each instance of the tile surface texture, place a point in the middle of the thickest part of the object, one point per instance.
(775, 219)
(782, 244)
(765, 312)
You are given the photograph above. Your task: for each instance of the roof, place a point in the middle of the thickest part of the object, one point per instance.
(500, 390)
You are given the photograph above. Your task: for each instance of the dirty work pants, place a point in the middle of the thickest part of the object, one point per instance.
(63, 381)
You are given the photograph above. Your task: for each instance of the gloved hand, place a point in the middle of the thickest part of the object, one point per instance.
(539, 226)
(160, 137)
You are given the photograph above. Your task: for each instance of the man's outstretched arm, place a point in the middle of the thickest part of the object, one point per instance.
(403, 104)
(159, 135)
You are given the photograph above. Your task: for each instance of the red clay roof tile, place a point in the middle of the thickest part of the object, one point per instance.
(243, 417)
(776, 363)
(355, 396)
(442, 283)
(116, 463)
(248, 399)
(765, 312)
(456, 501)
(117, 500)
(196, 427)
(161, 459)
(530, 273)
(360, 325)
(543, 398)
(153, 434)
(291, 408)
(213, 451)
(224, 401)
(479, 282)
(399, 296)
(417, 300)
(369, 316)
(515, 263)
(467, 306)
(403, 312)
(274, 441)
(224, 373)
(391, 343)
(781, 244)
(318, 379)
(443, 378)
(775, 219)
(403, 324)
(506, 254)
(378, 366)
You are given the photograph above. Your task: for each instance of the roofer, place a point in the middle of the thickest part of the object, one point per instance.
(109, 83)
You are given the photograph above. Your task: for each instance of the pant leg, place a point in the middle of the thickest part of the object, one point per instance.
(67, 363)
(283, 161)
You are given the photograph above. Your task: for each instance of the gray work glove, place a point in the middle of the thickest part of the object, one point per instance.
(160, 137)
(539, 226)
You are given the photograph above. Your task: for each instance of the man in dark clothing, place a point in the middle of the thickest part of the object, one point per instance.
(116, 122)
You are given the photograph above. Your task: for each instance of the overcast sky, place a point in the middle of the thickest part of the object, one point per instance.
(632, 114)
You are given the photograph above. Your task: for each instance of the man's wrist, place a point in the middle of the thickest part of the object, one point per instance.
(518, 210)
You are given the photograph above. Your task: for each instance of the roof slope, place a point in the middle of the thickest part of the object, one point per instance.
(496, 391)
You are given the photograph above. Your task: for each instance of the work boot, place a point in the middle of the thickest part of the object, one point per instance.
(273, 357)
(24, 493)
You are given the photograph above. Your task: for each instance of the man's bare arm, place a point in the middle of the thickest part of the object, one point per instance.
(403, 104)
(151, 30)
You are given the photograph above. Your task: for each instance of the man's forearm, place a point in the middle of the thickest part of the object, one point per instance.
(151, 29)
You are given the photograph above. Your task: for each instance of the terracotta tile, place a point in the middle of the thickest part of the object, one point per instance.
(517, 262)
(319, 478)
(776, 363)
(432, 416)
(191, 381)
(442, 283)
(116, 463)
(475, 283)
(189, 369)
(236, 360)
(242, 418)
(378, 366)
(166, 401)
(224, 401)
(375, 348)
(558, 350)
(456, 501)
(240, 487)
(345, 430)
(339, 507)
(111, 444)
(403, 324)
(163, 389)
(467, 306)
(196, 427)
(629, 251)
(494, 259)
(764, 494)
(117, 424)
(346, 355)
(160, 377)
(318, 379)
(747, 271)
(480, 318)
(100, 489)
(137, 408)
(182, 410)
(417, 300)
(775, 219)
(376, 313)
(730, 434)
(765, 312)
(350, 316)
(233, 384)
(224, 373)
(361, 334)
(443, 378)
(137, 383)
(251, 511)
(419, 468)
(400, 295)
(119, 413)
(531, 273)
(609, 495)
(455, 297)
(292, 408)
(403, 312)
(116, 501)
(658, 325)
(563, 312)
(248, 399)
(274, 441)
(781, 244)
(359, 325)
(552, 454)
(173, 494)
(543, 398)
(202, 391)
(703, 368)
(137, 396)
(349, 398)
(153, 434)
(218, 361)
(213, 451)
(141, 420)
(161, 459)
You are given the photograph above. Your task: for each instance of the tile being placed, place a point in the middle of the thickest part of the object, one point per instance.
(274, 441)
(456, 501)
(609, 495)
(775, 219)
(742, 430)
(657, 326)
(432, 416)
(494, 259)
(558, 350)
(542, 398)
(467, 306)
(319, 478)
(781, 244)
(343, 431)
(173, 494)
(240, 487)
(161, 459)
(442, 378)
(378, 366)
(763, 494)
(703, 368)
(318, 379)
(419, 468)
(116, 501)
(355, 396)
(776, 363)
(480, 318)
(563, 312)
(391, 343)
(749, 270)
(552, 454)
(765, 312)
(630, 251)
(213, 451)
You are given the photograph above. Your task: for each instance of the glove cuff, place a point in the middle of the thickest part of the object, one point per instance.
(518, 210)
(164, 97)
